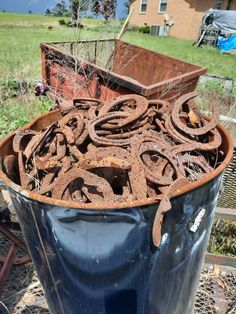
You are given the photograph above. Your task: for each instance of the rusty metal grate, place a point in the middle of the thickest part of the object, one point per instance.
(23, 293)
(216, 291)
(5, 245)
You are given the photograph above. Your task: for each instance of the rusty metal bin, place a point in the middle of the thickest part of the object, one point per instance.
(108, 68)
(104, 262)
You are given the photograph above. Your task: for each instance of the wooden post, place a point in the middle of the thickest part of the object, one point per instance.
(125, 23)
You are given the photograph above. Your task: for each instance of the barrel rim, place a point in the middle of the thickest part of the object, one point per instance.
(150, 201)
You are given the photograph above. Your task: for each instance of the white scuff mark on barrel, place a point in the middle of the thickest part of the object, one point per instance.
(164, 238)
(54, 234)
(25, 193)
(177, 250)
(197, 220)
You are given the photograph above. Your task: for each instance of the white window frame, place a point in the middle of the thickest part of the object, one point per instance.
(160, 3)
(140, 7)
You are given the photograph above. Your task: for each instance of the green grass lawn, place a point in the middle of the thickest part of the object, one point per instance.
(21, 34)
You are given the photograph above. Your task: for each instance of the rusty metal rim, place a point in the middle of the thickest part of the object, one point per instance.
(75, 41)
(48, 44)
(43, 199)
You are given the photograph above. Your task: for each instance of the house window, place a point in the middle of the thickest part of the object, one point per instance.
(162, 6)
(143, 6)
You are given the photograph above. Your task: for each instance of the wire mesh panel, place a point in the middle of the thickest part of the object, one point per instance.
(227, 198)
(216, 291)
(98, 52)
(216, 294)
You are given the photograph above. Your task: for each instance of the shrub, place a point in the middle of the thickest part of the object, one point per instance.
(144, 29)
(13, 88)
(69, 24)
(62, 22)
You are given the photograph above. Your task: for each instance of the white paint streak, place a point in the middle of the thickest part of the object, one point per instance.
(197, 220)
(25, 193)
(164, 238)
(54, 234)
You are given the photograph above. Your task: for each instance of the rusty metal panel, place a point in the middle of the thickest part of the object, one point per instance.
(109, 68)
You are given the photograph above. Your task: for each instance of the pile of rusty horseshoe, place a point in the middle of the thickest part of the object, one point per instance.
(127, 150)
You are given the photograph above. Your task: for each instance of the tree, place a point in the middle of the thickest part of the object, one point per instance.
(96, 7)
(60, 9)
(105, 7)
(30, 12)
(48, 12)
(108, 9)
(84, 5)
(75, 13)
(127, 5)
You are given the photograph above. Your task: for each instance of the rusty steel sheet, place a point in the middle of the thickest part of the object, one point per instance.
(127, 150)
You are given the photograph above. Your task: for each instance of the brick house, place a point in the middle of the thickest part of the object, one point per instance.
(186, 14)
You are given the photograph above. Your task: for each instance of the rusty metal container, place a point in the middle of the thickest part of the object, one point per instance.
(104, 262)
(108, 68)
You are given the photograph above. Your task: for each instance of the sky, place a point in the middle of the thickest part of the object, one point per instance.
(40, 6)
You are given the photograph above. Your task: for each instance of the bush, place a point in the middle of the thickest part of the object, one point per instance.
(69, 24)
(144, 29)
(62, 22)
(13, 88)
